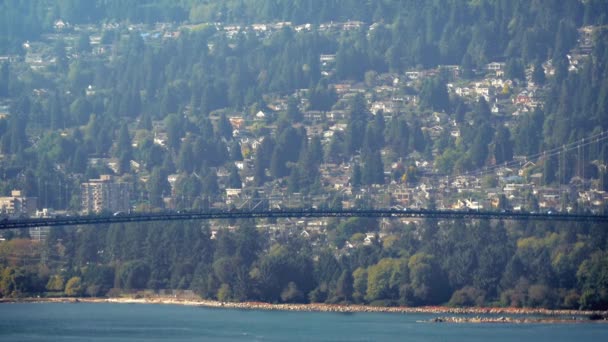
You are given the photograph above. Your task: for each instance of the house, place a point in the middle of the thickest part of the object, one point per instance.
(495, 66)
(342, 88)
(327, 59)
(522, 99)
(401, 195)
(60, 25)
(313, 115)
(537, 179)
(259, 27)
(463, 91)
(525, 167)
(240, 165)
(384, 106)
(172, 179)
(467, 204)
(335, 115)
(434, 131)
(412, 75)
(232, 195)
(370, 238)
(236, 121)
(161, 139)
(352, 25)
(90, 91)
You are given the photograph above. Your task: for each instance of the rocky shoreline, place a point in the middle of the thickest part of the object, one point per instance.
(547, 315)
(516, 320)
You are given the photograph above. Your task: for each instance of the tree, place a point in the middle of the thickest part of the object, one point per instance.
(56, 283)
(426, 279)
(124, 149)
(373, 168)
(291, 294)
(185, 159)
(224, 293)
(592, 275)
(4, 79)
(263, 157)
(83, 45)
(355, 179)
(158, 187)
(210, 184)
(359, 284)
(383, 280)
(503, 145)
(73, 287)
(538, 74)
(479, 148)
(293, 112)
(399, 136)
(344, 287)
(235, 151)
(515, 70)
(234, 179)
(334, 152)
(224, 127)
(434, 95)
(134, 275)
(175, 131)
(60, 55)
(357, 123)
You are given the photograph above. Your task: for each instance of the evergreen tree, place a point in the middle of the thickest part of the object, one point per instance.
(503, 145)
(158, 187)
(434, 95)
(124, 149)
(234, 179)
(224, 128)
(538, 74)
(373, 168)
(185, 160)
(399, 136)
(355, 179)
(4, 79)
(357, 123)
(293, 112)
(83, 45)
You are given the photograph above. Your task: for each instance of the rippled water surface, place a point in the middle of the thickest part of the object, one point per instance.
(142, 322)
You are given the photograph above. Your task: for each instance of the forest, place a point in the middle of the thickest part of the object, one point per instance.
(110, 90)
(525, 264)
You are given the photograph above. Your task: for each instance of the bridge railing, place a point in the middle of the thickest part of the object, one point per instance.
(292, 213)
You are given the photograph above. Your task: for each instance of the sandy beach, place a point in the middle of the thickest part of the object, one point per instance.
(319, 307)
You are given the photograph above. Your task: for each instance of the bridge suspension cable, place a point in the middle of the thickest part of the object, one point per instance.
(556, 151)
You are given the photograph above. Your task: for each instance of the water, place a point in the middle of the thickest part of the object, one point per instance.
(137, 322)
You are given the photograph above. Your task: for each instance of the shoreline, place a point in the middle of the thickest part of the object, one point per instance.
(319, 307)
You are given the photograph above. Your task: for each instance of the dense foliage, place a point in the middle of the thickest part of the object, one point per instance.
(463, 264)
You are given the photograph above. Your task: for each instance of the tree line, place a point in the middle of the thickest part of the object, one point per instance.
(543, 264)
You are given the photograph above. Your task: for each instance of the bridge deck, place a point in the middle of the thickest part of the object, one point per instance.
(296, 213)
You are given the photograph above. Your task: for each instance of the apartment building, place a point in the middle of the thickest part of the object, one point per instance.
(104, 194)
(17, 204)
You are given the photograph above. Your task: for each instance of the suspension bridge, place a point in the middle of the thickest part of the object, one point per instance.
(296, 213)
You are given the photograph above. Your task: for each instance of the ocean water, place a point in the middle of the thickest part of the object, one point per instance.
(147, 322)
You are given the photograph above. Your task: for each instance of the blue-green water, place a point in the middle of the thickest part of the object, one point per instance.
(132, 322)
